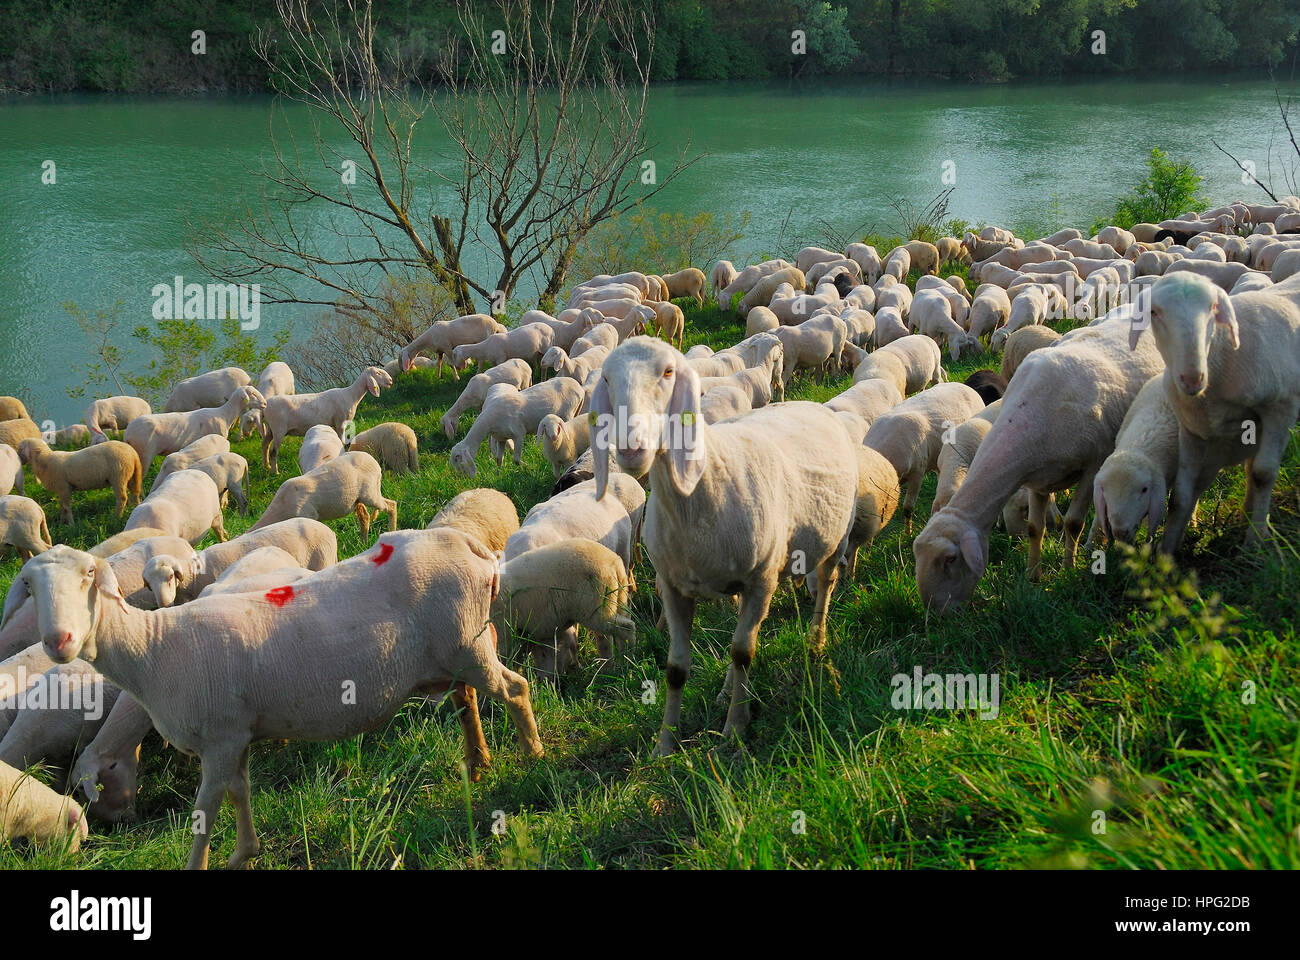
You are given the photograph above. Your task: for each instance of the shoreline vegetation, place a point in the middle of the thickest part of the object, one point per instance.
(150, 46)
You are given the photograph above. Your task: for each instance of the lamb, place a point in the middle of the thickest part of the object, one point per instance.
(951, 251)
(347, 484)
(577, 512)
(563, 441)
(483, 513)
(686, 283)
(756, 383)
(1058, 422)
(1133, 480)
(11, 470)
(170, 574)
(883, 366)
(187, 504)
(814, 344)
(320, 444)
(206, 390)
(576, 368)
(114, 413)
(28, 808)
(525, 343)
(921, 360)
(163, 433)
(866, 257)
(22, 526)
(513, 416)
(515, 372)
(107, 770)
(626, 324)
(255, 563)
(110, 464)
(1230, 360)
(551, 589)
(889, 326)
(910, 435)
(737, 507)
(75, 704)
(670, 323)
(868, 399)
(229, 471)
(14, 432)
(234, 655)
(392, 444)
(206, 446)
(73, 435)
(1023, 342)
(723, 273)
(294, 416)
(443, 336)
(931, 316)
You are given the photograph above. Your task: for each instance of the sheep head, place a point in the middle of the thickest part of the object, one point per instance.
(1127, 487)
(951, 556)
(68, 587)
(165, 574)
(647, 402)
(109, 783)
(1185, 311)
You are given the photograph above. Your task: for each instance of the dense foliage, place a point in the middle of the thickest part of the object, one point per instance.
(145, 45)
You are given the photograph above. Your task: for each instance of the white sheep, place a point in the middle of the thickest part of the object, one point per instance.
(882, 365)
(61, 713)
(525, 343)
(990, 309)
(1033, 305)
(723, 272)
(816, 344)
(744, 281)
(486, 514)
(348, 484)
(898, 263)
(293, 416)
(229, 471)
(152, 434)
(921, 359)
(514, 372)
(1058, 422)
(614, 522)
(320, 444)
(443, 336)
(238, 675)
(206, 390)
(910, 435)
(867, 399)
(563, 441)
(190, 454)
(187, 504)
(113, 413)
(23, 527)
(889, 326)
(311, 543)
(1134, 479)
(275, 380)
(736, 508)
(110, 464)
(108, 769)
(931, 316)
(28, 808)
(724, 402)
(393, 444)
(598, 334)
(513, 416)
(11, 470)
(866, 257)
(255, 563)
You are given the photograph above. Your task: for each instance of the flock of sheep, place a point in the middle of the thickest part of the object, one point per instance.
(1190, 362)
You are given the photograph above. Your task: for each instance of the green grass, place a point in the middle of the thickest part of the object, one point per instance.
(1111, 701)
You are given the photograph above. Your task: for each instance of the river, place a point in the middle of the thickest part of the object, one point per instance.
(132, 172)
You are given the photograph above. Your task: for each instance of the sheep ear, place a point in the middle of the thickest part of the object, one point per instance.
(106, 581)
(14, 599)
(972, 551)
(1156, 510)
(1225, 316)
(599, 407)
(687, 456)
(1099, 501)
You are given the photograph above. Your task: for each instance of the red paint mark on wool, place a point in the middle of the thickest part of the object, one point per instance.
(385, 551)
(280, 595)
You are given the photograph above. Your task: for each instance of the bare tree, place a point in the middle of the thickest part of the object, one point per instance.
(1287, 166)
(547, 130)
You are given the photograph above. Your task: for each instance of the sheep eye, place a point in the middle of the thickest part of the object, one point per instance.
(668, 373)
(1144, 489)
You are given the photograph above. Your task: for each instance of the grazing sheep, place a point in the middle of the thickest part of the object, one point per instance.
(1154, 263)
(575, 368)
(1287, 264)
(73, 435)
(14, 432)
(910, 435)
(577, 512)
(861, 326)
(22, 526)
(11, 408)
(990, 310)
(259, 583)
(320, 444)
(209, 389)
(760, 320)
(1022, 343)
(443, 336)
(108, 769)
(598, 334)
(670, 323)
(229, 471)
(294, 416)
(931, 316)
(206, 446)
(723, 273)
(897, 264)
(486, 514)
(889, 326)
(828, 271)
(724, 402)
(1031, 307)
(808, 256)
(348, 484)
(1057, 425)
(1133, 480)
(816, 344)
(77, 702)
(187, 504)
(924, 256)
(28, 808)
(524, 343)
(951, 251)
(311, 543)
(515, 372)
(563, 441)
(18, 674)
(686, 283)
(959, 446)
(868, 399)
(170, 576)
(1221, 274)
(513, 416)
(1229, 361)
(883, 366)
(392, 444)
(549, 590)
(276, 380)
(1247, 283)
(866, 257)
(235, 676)
(152, 434)
(114, 413)
(737, 507)
(110, 464)
(921, 359)
(626, 323)
(255, 563)
(989, 384)
(11, 470)
(878, 496)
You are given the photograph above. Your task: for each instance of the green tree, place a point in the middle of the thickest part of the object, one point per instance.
(1169, 189)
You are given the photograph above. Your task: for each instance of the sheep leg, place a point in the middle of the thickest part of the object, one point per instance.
(465, 699)
(363, 520)
(913, 481)
(510, 688)
(1037, 527)
(680, 613)
(219, 528)
(1262, 470)
(518, 439)
(218, 773)
(1194, 477)
(754, 604)
(65, 507)
(828, 574)
(240, 791)
(266, 446)
(1076, 515)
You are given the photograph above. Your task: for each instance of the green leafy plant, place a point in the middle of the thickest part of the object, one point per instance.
(1169, 189)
